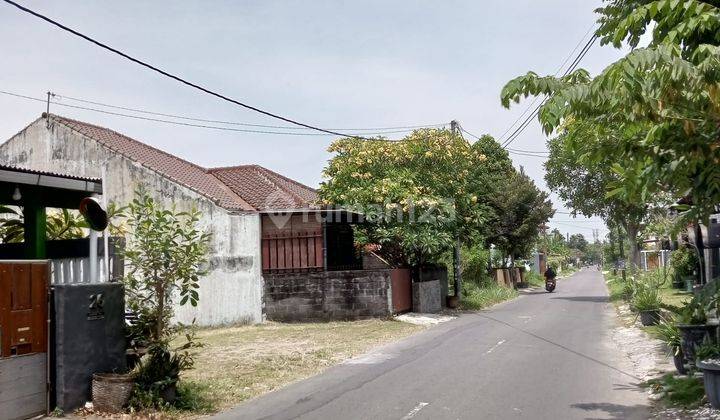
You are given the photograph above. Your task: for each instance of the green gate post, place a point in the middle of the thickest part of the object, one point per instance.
(35, 228)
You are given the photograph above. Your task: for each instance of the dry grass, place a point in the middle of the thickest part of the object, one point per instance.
(238, 363)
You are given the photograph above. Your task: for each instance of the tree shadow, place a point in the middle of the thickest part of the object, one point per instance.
(615, 411)
(597, 299)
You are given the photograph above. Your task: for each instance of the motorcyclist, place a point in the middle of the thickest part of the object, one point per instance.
(550, 274)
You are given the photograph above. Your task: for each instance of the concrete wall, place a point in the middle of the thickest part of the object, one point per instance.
(232, 290)
(86, 339)
(329, 295)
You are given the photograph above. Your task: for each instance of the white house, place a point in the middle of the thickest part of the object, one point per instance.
(229, 199)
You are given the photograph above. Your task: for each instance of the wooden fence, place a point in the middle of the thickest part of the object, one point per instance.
(292, 252)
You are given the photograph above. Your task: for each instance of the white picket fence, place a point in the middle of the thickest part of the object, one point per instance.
(77, 271)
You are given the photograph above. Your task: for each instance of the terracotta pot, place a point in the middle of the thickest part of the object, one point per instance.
(453, 302)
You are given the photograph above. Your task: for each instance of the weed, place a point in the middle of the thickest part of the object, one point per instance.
(678, 391)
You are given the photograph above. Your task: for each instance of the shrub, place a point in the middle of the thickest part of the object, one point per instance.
(707, 350)
(683, 262)
(646, 297)
(165, 256)
(667, 331)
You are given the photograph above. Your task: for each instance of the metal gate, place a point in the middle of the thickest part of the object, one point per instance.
(401, 280)
(23, 338)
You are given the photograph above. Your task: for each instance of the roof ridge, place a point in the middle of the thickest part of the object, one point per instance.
(60, 119)
(263, 173)
(230, 191)
(225, 168)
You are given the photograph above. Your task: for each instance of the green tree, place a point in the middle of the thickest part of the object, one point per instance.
(165, 256)
(519, 210)
(578, 242)
(663, 101)
(420, 194)
(584, 183)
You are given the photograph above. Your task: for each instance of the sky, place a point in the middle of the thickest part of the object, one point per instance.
(334, 64)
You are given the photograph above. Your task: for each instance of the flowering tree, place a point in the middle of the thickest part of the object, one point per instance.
(421, 193)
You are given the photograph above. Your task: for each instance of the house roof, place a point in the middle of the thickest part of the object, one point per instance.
(265, 189)
(239, 188)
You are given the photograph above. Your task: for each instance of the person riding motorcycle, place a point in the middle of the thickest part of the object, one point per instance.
(550, 279)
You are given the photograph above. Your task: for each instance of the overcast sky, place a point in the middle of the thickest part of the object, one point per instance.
(337, 64)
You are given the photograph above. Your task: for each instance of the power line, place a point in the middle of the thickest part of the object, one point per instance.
(212, 127)
(556, 73)
(172, 76)
(182, 117)
(513, 151)
(569, 70)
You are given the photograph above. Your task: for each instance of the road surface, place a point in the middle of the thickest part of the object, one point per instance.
(541, 356)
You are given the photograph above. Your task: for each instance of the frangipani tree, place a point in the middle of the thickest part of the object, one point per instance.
(421, 193)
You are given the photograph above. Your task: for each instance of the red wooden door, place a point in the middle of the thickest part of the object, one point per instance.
(401, 290)
(23, 307)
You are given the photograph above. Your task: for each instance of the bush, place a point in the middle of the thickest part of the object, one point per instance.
(165, 256)
(668, 332)
(475, 264)
(646, 297)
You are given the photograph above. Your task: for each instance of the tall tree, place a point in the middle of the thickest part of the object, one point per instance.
(519, 211)
(578, 242)
(584, 184)
(663, 100)
(420, 193)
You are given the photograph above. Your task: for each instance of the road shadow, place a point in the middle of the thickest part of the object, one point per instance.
(598, 299)
(615, 411)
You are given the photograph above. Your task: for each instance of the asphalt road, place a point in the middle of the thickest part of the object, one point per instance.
(541, 356)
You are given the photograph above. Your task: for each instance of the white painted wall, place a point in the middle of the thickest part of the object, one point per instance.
(232, 290)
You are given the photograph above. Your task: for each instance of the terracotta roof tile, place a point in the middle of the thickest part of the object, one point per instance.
(245, 187)
(181, 171)
(265, 189)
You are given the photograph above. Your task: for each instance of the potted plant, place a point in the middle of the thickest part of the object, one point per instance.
(694, 330)
(684, 263)
(646, 300)
(708, 360)
(668, 332)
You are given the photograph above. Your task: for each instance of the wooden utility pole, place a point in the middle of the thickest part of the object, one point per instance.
(457, 264)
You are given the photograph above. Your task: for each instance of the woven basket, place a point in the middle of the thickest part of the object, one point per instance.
(111, 391)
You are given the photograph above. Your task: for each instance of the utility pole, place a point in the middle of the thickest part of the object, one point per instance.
(457, 265)
(454, 127)
(47, 110)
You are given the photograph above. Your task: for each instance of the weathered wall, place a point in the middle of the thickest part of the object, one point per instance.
(329, 295)
(232, 290)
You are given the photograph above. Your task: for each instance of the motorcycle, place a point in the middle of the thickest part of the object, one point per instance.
(550, 285)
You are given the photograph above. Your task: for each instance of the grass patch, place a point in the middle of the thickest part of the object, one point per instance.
(670, 297)
(534, 279)
(678, 391)
(238, 363)
(477, 297)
